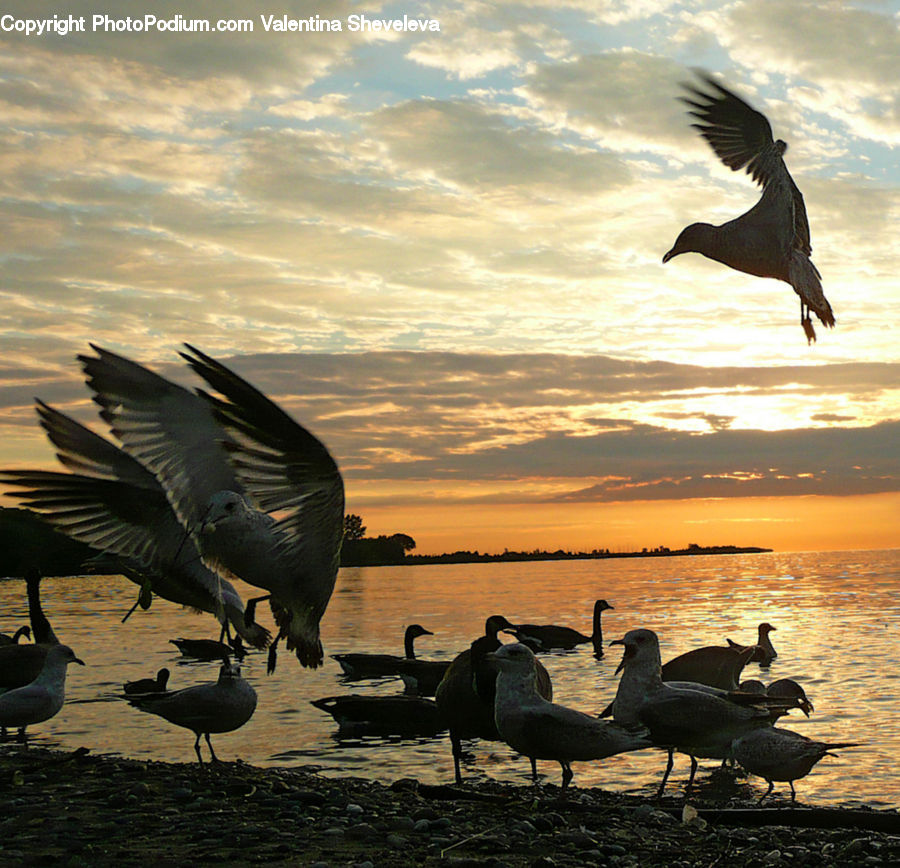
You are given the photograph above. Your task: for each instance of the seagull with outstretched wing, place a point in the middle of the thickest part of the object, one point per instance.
(262, 497)
(111, 502)
(772, 238)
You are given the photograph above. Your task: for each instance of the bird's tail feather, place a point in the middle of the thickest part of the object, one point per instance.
(301, 634)
(807, 283)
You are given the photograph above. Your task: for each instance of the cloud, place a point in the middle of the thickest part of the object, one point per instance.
(543, 426)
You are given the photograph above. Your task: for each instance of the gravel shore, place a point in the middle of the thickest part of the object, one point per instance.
(75, 809)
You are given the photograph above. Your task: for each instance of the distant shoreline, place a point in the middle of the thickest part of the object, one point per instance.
(475, 557)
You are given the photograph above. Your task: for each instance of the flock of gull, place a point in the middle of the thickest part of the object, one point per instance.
(695, 704)
(194, 487)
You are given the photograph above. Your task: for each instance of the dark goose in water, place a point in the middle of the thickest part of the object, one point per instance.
(764, 651)
(772, 238)
(545, 637)
(364, 665)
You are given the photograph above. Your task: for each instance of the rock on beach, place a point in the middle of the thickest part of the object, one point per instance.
(76, 809)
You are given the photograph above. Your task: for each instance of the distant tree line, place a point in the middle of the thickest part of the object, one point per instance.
(359, 550)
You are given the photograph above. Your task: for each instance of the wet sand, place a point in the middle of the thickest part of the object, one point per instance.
(76, 809)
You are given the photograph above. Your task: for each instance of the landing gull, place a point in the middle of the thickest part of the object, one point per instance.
(218, 706)
(545, 637)
(777, 754)
(42, 698)
(539, 729)
(772, 238)
(114, 504)
(229, 466)
(691, 721)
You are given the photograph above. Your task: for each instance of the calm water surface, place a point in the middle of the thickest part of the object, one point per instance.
(837, 616)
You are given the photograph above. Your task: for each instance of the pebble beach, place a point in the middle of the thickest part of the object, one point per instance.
(77, 809)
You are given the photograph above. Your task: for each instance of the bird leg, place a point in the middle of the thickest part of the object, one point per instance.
(197, 749)
(806, 322)
(793, 792)
(212, 753)
(566, 774)
(766, 793)
(690, 782)
(669, 765)
(533, 770)
(273, 655)
(250, 610)
(456, 746)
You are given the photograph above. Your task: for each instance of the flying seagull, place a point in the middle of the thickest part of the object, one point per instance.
(117, 506)
(772, 238)
(261, 497)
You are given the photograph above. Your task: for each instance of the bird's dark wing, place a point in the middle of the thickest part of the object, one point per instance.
(281, 464)
(740, 135)
(167, 428)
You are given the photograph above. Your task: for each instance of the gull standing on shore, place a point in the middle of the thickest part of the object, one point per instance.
(691, 721)
(772, 238)
(782, 755)
(217, 706)
(539, 729)
(42, 698)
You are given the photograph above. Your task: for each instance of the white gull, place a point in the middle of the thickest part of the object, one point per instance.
(228, 464)
(42, 698)
(539, 729)
(218, 706)
(114, 504)
(692, 721)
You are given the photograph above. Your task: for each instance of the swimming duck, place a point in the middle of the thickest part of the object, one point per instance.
(148, 685)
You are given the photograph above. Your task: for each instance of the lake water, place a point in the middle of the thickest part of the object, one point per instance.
(837, 616)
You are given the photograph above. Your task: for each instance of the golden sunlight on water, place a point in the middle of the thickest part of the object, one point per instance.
(836, 615)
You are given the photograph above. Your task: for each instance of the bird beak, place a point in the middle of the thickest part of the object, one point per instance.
(669, 255)
(806, 707)
(76, 660)
(616, 641)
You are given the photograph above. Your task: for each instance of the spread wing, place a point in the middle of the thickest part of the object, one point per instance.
(742, 136)
(113, 504)
(281, 465)
(167, 428)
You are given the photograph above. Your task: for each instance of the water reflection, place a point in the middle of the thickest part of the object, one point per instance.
(836, 614)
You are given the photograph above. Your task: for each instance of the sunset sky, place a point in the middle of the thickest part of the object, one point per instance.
(441, 251)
